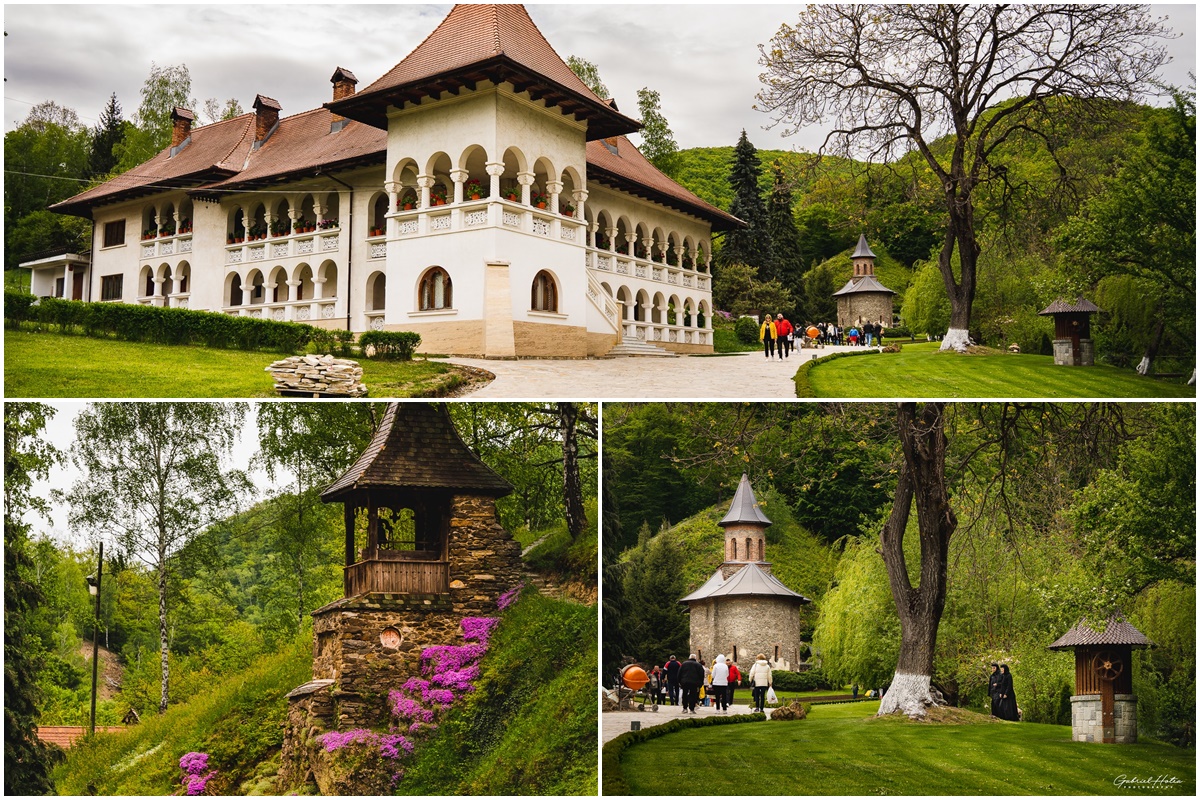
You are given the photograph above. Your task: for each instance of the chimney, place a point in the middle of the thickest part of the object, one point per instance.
(181, 126)
(266, 114)
(343, 81)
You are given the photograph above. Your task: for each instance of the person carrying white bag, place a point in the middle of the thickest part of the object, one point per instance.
(761, 680)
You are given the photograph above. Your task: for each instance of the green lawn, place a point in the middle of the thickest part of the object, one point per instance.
(54, 365)
(841, 750)
(920, 370)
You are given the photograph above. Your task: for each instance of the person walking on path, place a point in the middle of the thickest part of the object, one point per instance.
(852, 337)
(784, 329)
(760, 678)
(767, 333)
(720, 685)
(691, 678)
(672, 669)
(994, 689)
(735, 679)
(1007, 707)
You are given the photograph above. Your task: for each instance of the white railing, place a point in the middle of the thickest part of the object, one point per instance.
(607, 305)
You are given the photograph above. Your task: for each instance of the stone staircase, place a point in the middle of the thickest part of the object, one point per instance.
(634, 347)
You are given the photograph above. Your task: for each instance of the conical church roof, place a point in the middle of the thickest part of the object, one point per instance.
(476, 42)
(744, 508)
(863, 250)
(749, 580)
(417, 447)
(862, 284)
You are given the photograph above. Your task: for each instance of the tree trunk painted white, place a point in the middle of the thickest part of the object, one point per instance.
(1144, 365)
(908, 694)
(958, 339)
(1192, 380)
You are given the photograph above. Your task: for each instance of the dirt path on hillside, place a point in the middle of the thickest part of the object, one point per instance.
(111, 670)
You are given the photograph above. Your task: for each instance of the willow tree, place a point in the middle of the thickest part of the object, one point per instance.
(954, 83)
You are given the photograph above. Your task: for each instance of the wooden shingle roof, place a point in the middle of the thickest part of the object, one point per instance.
(417, 447)
(1117, 631)
(1060, 306)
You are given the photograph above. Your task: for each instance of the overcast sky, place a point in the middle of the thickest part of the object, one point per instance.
(701, 58)
(60, 432)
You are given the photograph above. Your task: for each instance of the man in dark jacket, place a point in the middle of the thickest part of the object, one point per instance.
(672, 668)
(691, 678)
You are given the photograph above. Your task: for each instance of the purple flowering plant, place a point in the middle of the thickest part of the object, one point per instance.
(196, 774)
(508, 598)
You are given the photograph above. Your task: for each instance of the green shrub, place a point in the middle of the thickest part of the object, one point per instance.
(810, 681)
(16, 307)
(747, 330)
(614, 780)
(171, 326)
(390, 345)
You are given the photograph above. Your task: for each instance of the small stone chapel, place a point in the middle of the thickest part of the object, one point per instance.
(424, 548)
(744, 610)
(863, 299)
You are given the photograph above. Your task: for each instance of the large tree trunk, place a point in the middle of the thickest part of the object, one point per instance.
(960, 231)
(162, 627)
(1145, 367)
(568, 415)
(921, 481)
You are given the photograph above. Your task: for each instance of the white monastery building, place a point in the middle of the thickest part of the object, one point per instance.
(478, 194)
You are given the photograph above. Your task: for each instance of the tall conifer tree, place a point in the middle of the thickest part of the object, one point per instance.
(108, 133)
(786, 252)
(750, 245)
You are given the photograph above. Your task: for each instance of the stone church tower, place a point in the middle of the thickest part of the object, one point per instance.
(744, 610)
(424, 548)
(863, 299)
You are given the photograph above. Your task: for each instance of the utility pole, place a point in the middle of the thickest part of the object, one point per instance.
(94, 588)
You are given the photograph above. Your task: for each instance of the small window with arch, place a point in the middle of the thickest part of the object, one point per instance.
(436, 290)
(543, 295)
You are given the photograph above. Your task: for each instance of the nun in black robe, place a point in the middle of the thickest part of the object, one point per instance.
(1007, 706)
(994, 689)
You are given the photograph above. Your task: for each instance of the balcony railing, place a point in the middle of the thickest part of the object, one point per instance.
(397, 577)
(655, 271)
(310, 244)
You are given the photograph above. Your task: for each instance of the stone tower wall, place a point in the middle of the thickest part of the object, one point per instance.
(856, 309)
(740, 533)
(753, 624)
(1087, 723)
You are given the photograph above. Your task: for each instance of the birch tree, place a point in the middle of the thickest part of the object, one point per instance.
(154, 478)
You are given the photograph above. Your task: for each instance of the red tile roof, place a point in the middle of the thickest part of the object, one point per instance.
(65, 735)
(627, 169)
(485, 41)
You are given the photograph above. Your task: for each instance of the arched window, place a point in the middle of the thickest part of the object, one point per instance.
(749, 549)
(543, 296)
(435, 290)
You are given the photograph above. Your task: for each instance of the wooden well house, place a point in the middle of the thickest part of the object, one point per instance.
(424, 548)
(1073, 346)
(398, 500)
(1104, 707)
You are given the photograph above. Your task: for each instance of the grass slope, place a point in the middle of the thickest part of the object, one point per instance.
(920, 370)
(54, 365)
(530, 725)
(839, 750)
(798, 558)
(558, 556)
(238, 722)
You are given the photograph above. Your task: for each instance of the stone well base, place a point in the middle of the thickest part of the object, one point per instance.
(1064, 355)
(1087, 723)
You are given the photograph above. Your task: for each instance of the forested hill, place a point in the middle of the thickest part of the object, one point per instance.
(1062, 214)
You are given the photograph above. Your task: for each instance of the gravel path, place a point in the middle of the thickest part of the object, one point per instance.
(744, 376)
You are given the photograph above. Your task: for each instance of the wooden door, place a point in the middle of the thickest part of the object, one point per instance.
(77, 285)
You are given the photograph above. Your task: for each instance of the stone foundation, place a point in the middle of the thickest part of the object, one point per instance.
(1087, 723)
(1064, 354)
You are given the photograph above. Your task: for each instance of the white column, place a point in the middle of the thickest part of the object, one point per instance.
(459, 176)
(426, 183)
(553, 189)
(494, 170)
(526, 180)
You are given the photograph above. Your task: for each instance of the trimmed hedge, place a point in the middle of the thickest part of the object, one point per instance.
(809, 681)
(614, 778)
(175, 326)
(390, 345)
(803, 387)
